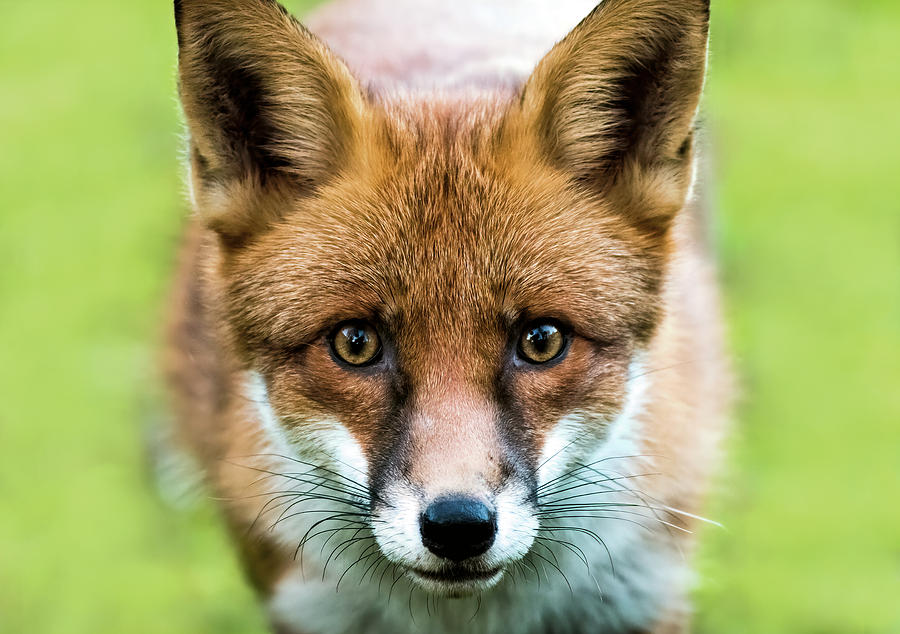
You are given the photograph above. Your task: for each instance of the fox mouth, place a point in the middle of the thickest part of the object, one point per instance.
(456, 580)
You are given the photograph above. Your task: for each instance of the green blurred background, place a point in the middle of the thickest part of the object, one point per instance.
(803, 102)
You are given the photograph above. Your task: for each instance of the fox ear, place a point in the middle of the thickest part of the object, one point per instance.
(614, 102)
(268, 107)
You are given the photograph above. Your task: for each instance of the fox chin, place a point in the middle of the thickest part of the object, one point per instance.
(444, 339)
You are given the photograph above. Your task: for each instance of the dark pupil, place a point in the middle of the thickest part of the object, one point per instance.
(539, 337)
(357, 338)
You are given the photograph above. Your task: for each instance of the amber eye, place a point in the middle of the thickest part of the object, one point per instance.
(356, 343)
(542, 341)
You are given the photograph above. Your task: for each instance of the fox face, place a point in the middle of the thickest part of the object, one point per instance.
(449, 329)
(443, 300)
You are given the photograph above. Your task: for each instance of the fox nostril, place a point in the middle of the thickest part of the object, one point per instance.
(457, 528)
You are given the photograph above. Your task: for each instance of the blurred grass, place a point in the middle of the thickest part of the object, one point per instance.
(804, 105)
(804, 98)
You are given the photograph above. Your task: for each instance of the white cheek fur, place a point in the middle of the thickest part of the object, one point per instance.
(323, 439)
(569, 441)
(294, 469)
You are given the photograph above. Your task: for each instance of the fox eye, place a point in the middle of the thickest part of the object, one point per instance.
(542, 341)
(356, 343)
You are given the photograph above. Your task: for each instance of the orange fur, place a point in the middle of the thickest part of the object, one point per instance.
(449, 218)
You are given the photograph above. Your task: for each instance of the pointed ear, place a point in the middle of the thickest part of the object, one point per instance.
(270, 110)
(614, 103)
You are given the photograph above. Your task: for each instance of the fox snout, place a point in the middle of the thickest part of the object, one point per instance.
(458, 527)
(451, 496)
(458, 542)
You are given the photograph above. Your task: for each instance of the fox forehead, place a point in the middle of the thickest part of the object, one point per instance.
(437, 219)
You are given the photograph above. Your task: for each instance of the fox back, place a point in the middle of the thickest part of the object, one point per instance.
(445, 334)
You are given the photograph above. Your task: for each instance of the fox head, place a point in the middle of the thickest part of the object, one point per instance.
(442, 298)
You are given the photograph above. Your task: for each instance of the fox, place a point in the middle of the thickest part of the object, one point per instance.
(445, 337)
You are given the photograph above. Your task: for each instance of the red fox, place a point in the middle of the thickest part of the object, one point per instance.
(445, 338)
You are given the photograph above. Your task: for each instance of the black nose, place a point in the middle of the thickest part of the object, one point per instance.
(457, 528)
